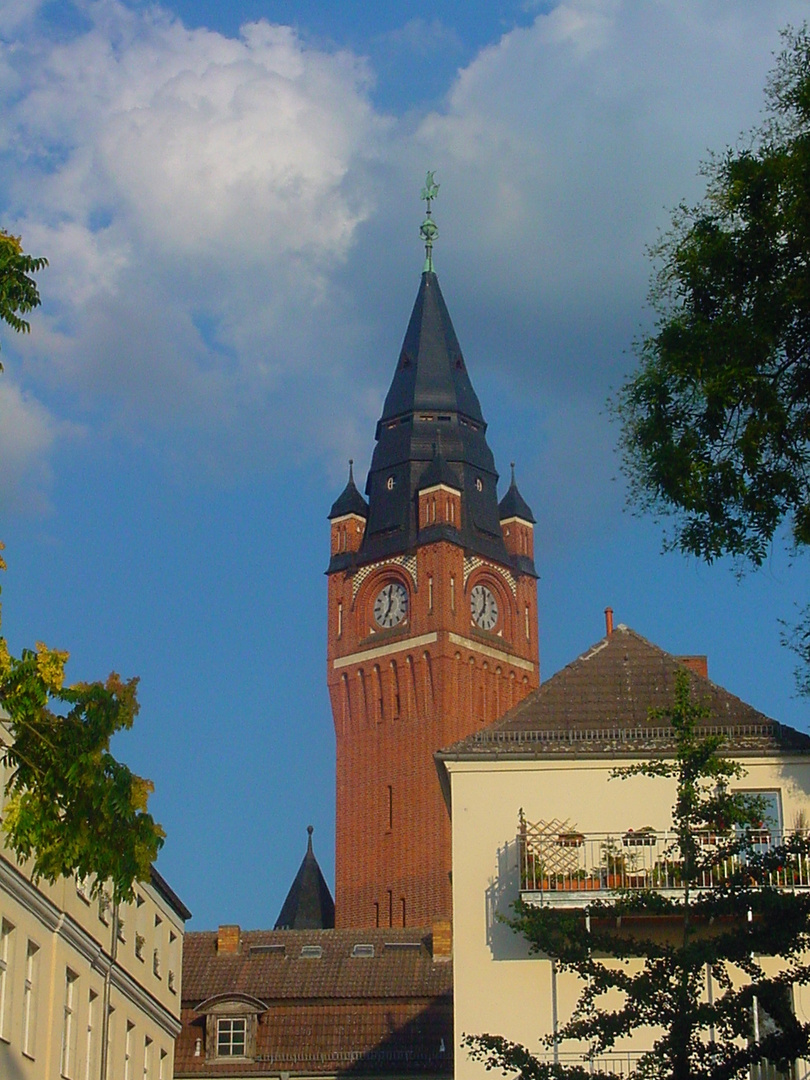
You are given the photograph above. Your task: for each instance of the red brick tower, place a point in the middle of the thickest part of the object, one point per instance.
(432, 625)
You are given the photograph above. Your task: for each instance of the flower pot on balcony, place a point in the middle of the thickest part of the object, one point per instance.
(588, 883)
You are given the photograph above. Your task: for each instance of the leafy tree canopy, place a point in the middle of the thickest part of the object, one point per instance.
(716, 419)
(654, 987)
(18, 290)
(71, 807)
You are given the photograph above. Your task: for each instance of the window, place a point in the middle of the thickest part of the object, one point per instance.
(128, 1051)
(231, 1036)
(69, 1029)
(30, 989)
(90, 1047)
(6, 944)
(147, 1058)
(163, 1066)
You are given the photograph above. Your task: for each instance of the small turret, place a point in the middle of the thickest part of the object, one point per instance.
(517, 523)
(348, 517)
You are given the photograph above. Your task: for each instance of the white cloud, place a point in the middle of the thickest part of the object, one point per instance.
(224, 217)
(27, 436)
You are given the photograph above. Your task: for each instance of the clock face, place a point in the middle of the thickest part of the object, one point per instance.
(391, 605)
(484, 607)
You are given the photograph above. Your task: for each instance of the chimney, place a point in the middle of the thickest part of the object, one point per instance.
(608, 621)
(698, 664)
(442, 940)
(228, 939)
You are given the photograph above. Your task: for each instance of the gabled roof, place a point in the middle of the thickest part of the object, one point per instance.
(439, 472)
(309, 904)
(601, 704)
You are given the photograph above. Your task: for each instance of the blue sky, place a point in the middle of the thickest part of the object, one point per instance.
(228, 197)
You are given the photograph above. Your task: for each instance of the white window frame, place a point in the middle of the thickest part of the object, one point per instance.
(230, 1042)
(128, 1051)
(68, 1056)
(6, 956)
(30, 990)
(90, 1046)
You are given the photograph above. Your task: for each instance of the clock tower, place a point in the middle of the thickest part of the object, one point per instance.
(432, 621)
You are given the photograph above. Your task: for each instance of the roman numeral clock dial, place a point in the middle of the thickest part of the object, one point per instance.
(391, 605)
(483, 607)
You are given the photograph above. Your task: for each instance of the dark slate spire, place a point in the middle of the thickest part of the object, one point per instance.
(513, 504)
(431, 398)
(350, 501)
(309, 904)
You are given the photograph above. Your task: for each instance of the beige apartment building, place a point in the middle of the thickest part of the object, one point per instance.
(536, 815)
(64, 956)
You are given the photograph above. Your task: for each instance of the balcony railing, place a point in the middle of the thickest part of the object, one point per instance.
(623, 1063)
(556, 858)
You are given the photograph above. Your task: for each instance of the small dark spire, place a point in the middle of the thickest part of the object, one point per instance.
(350, 501)
(309, 904)
(513, 504)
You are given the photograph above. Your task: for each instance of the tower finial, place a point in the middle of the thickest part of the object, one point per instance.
(513, 471)
(351, 470)
(429, 230)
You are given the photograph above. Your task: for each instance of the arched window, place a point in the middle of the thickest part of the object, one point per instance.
(379, 692)
(429, 702)
(395, 700)
(347, 706)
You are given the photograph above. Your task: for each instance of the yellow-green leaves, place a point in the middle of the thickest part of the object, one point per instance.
(18, 290)
(72, 808)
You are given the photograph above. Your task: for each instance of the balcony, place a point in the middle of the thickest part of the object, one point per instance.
(562, 867)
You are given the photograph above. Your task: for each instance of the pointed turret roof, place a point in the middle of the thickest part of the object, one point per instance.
(431, 401)
(431, 374)
(513, 504)
(350, 501)
(309, 904)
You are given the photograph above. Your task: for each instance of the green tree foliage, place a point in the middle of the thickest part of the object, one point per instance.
(716, 420)
(72, 808)
(18, 290)
(654, 988)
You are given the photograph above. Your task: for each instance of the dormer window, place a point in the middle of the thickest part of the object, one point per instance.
(389, 483)
(231, 1025)
(479, 484)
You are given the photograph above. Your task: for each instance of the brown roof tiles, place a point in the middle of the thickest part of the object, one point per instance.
(602, 702)
(328, 1014)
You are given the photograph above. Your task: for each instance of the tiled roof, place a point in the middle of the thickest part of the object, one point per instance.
(402, 965)
(602, 701)
(382, 1014)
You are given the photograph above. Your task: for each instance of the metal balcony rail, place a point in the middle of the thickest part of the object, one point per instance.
(556, 857)
(618, 1063)
(623, 1063)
